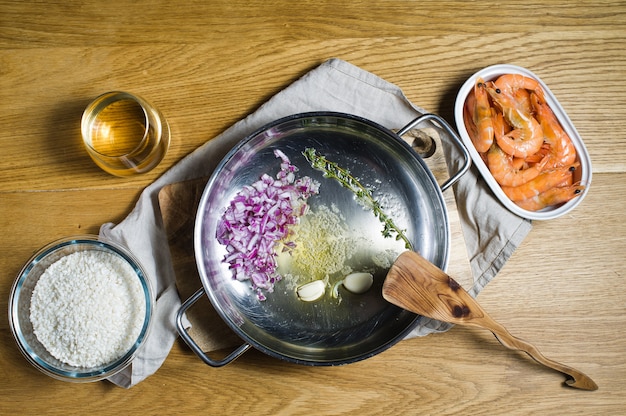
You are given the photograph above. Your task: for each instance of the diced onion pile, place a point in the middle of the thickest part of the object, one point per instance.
(260, 217)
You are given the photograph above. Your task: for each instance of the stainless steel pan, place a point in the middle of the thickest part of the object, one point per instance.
(328, 331)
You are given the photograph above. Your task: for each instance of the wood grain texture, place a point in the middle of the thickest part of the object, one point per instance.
(207, 65)
(415, 284)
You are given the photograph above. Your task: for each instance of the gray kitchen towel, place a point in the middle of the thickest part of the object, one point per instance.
(491, 232)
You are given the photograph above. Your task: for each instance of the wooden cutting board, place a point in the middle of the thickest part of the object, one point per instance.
(179, 202)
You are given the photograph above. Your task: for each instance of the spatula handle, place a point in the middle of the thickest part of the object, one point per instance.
(575, 378)
(415, 284)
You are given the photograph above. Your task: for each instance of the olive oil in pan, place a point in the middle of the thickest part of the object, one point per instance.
(328, 249)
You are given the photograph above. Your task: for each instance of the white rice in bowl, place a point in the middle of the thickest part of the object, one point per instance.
(88, 308)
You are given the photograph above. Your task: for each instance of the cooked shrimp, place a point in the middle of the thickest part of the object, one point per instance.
(506, 169)
(546, 180)
(544, 151)
(510, 83)
(468, 119)
(500, 128)
(567, 181)
(480, 111)
(561, 149)
(526, 138)
(522, 98)
(554, 196)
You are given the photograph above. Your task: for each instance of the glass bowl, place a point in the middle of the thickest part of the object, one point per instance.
(21, 299)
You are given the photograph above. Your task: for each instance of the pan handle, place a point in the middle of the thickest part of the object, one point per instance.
(455, 140)
(193, 345)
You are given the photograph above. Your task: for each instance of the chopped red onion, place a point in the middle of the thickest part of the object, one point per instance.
(259, 217)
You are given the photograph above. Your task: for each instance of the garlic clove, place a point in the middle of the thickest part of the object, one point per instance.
(358, 282)
(311, 291)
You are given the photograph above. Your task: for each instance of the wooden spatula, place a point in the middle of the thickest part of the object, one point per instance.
(415, 284)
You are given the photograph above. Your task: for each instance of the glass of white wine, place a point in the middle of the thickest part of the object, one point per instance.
(124, 134)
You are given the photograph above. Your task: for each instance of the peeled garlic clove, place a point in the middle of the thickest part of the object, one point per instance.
(358, 282)
(311, 291)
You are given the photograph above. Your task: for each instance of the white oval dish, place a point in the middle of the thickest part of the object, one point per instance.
(489, 74)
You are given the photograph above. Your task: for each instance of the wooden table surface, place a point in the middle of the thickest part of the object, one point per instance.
(208, 64)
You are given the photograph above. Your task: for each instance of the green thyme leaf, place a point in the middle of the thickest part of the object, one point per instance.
(363, 195)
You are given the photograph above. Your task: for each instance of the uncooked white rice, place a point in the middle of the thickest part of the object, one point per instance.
(88, 308)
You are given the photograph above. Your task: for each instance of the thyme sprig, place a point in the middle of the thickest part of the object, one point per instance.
(363, 195)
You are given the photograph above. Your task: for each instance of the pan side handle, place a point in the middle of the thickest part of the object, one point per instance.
(193, 345)
(455, 140)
